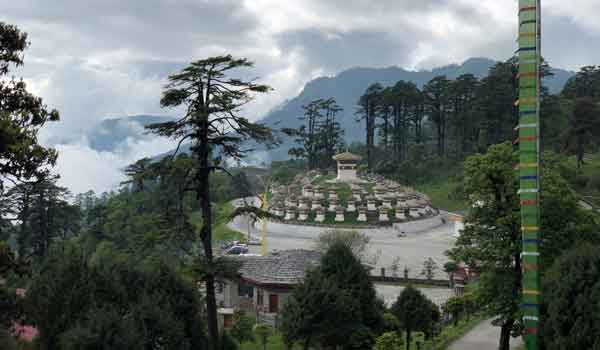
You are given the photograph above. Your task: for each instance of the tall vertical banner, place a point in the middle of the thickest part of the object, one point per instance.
(529, 167)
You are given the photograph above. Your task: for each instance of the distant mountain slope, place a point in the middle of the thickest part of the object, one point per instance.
(110, 133)
(350, 84)
(346, 87)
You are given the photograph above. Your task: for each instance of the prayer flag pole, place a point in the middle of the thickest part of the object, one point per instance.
(529, 167)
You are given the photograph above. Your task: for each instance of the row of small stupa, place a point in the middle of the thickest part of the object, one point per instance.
(389, 202)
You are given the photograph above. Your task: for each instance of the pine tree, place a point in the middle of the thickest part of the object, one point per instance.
(21, 116)
(212, 99)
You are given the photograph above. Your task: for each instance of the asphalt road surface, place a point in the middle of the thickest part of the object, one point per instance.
(385, 246)
(483, 337)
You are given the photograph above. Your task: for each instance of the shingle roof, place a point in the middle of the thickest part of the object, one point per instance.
(284, 267)
(347, 156)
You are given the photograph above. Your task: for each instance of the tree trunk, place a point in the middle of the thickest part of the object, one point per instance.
(306, 343)
(505, 335)
(408, 339)
(206, 236)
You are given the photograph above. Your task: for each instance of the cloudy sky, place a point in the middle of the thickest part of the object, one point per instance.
(94, 59)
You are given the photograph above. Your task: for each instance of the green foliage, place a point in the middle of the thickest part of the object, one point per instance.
(455, 306)
(390, 322)
(116, 302)
(415, 312)
(241, 185)
(389, 341)
(320, 137)
(22, 115)
(571, 291)
(335, 301)
(451, 333)
(45, 215)
(584, 128)
(242, 328)
(361, 338)
(357, 242)
(274, 342)
(429, 268)
(211, 97)
(227, 341)
(491, 240)
(7, 342)
(285, 172)
(262, 333)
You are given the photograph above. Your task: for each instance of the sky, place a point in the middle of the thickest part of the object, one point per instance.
(96, 59)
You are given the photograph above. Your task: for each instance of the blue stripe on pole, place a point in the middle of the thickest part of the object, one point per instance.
(530, 306)
(529, 21)
(536, 241)
(527, 113)
(530, 177)
(526, 49)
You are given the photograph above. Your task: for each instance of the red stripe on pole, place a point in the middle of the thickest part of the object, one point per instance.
(531, 330)
(528, 8)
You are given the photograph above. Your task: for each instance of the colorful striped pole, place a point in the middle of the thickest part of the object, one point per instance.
(529, 168)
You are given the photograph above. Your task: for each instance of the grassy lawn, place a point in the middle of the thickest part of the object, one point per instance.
(451, 334)
(273, 343)
(321, 179)
(585, 181)
(440, 194)
(221, 232)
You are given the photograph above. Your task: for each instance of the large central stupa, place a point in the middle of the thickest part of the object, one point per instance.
(346, 166)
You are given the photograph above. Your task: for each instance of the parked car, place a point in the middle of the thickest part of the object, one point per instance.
(236, 250)
(228, 244)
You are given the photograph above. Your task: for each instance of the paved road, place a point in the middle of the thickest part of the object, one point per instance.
(385, 248)
(483, 337)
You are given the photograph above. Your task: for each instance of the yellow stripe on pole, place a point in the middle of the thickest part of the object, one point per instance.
(530, 292)
(527, 165)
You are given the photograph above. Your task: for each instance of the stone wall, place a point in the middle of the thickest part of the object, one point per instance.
(420, 225)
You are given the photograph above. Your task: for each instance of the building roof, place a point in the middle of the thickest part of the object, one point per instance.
(287, 267)
(347, 156)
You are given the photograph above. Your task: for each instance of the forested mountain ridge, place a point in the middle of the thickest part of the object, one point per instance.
(347, 87)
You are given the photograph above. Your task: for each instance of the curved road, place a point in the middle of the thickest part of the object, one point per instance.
(385, 247)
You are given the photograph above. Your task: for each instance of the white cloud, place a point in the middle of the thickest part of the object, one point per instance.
(107, 58)
(83, 168)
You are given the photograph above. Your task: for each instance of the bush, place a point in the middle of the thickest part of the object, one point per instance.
(595, 183)
(361, 338)
(284, 174)
(390, 322)
(118, 303)
(242, 328)
(7, 342)
(262, 332)
(389, 341)
(227, 342)
(454, 306)
(572, 293)
(581, 181)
